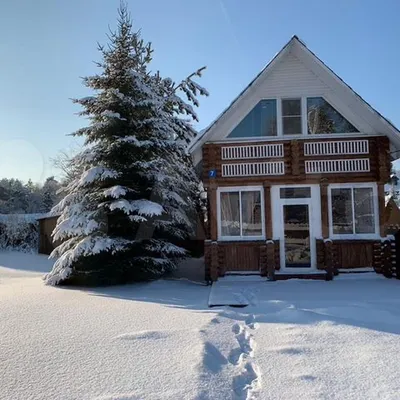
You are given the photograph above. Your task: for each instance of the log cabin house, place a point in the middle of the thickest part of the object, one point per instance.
(294, 171)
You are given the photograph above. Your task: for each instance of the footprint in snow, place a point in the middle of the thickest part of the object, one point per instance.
(309, 378)
(142, 335)
(247, 382)
(250, 322)
(246, 342)
(291, 350)
(236, 328)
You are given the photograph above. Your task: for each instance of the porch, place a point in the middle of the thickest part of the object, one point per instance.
(263, 258)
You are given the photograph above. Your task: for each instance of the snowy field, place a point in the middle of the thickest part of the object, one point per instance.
(295, 340)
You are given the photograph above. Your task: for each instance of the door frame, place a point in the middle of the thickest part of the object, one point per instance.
(314, 208)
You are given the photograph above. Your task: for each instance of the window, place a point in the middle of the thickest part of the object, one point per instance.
(353, 210)
(295, 193)
(241, 214)
(296, 116)
(260, 121)
(323, 118)
(291, 116)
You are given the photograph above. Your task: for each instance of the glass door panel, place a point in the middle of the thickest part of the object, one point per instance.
(297, 235)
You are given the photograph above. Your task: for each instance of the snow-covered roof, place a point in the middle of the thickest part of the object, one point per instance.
(322, 71)
(48, 215)
(26, 217)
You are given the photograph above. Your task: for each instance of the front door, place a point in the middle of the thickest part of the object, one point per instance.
(296, 235)
(297, 224)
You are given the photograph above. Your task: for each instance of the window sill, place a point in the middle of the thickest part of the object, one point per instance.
(304, 136)
(241, 238)
(372, 236)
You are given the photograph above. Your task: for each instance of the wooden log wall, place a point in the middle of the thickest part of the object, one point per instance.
(294, 159)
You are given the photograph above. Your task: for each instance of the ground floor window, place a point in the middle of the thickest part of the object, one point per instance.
(353, 209)
(240, 213)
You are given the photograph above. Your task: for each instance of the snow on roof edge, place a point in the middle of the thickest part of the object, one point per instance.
(26, 217)
(48, 215)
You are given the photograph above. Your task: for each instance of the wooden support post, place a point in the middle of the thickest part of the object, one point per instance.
(207, 260)
(263, 260)
(214, 262)
(324, 210)
(381, 209)
(213, 213)
(377, 257)
(320, 247)
(387, 259)
(268, 211)
(270, 249)
(329, 262)
(221, 260)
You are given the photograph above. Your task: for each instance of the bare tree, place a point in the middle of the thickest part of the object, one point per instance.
(64, 162)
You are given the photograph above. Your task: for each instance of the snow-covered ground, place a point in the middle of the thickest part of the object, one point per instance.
(296, 339)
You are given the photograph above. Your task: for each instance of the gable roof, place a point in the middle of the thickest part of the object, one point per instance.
(313, 61)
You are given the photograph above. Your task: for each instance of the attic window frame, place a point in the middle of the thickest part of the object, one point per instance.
(303, 116)
(290, 116)
(304, 119)
(303, 105)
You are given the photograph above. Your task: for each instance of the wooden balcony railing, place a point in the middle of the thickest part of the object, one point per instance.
(367, 159)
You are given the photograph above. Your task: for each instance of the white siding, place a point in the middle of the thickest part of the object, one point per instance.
(342, 98)
(290, 78)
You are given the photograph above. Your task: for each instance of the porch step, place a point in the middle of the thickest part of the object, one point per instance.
(356, 270)
(242, 278)
(318, 275)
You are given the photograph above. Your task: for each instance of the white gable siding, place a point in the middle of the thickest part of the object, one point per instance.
(296, 72)
(290, 77)
(343, 99)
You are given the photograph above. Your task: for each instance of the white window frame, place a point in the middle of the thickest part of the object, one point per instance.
(240, 189)
(371, 185)
(301, 115)
(304, 121)
(278, 228)
(338, 109)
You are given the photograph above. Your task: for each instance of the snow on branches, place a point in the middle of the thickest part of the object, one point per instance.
(137, 197)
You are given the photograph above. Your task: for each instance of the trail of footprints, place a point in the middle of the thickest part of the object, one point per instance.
(246, 383)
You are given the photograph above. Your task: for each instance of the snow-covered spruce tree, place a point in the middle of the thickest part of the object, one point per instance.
(49, 194)
(123, 218)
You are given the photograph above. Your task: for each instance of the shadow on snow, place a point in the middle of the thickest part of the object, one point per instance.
(370, 302)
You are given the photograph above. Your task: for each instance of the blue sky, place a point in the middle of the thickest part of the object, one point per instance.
(48, 44)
